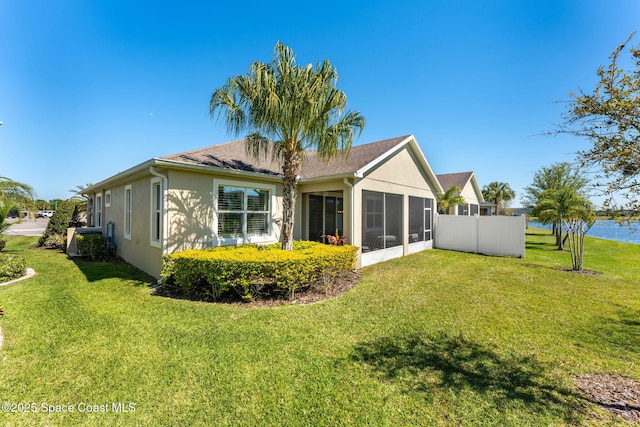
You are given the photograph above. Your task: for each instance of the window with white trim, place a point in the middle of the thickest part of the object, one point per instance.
(90, 211)
(98, 210)
(242, 211)
(156, 212)
(128, 200)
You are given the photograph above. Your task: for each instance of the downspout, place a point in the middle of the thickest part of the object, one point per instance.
(165, 216)
(352, 210)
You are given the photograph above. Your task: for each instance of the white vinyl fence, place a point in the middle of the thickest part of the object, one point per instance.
(491, 235)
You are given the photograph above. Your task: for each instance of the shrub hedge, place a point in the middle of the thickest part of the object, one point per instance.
(12, 267)
(93, 246)
(249, 268)
(56, 231)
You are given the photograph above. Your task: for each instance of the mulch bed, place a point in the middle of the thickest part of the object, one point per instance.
(304, 296)
(585, 271)
(616, 394)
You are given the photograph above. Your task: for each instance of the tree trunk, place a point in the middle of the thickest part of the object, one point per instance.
(559, 240)
(290, 171)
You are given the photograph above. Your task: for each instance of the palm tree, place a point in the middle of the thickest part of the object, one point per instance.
(450, 199)
(285, 110)
(581, 219)
(556, 206)
(496, 192)
(14, 195)
(77, 192)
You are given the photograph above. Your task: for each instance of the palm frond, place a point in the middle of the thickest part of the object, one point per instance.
(285, 109)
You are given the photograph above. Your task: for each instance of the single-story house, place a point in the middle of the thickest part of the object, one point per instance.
(487, 208)
(469, 190)
(381, 199)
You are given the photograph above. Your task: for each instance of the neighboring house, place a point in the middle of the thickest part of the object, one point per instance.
(487, 209)
(381, 199)
(470, 191)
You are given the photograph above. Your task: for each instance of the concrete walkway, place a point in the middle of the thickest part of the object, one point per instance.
(28, 227)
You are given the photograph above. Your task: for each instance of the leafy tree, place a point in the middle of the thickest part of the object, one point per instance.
(549, 183)
(497, 192)
(580, 220)
(556, 176)
(449, 199)
(54, 203)
(609, 117)
(284, 110)
(42, 204)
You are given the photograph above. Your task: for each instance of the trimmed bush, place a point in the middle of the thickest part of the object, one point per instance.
(56, 231)
(250, 268)
(93, 246)
(12, 267)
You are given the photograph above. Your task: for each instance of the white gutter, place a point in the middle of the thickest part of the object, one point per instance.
(165, 199)
(351, 210)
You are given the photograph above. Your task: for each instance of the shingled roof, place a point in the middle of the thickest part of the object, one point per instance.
(459, 179)
(233, 156)
(229, 155)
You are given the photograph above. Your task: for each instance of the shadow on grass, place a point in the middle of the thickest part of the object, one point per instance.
(618, 331)
(541, 246)
(443, 363)
(95, 271)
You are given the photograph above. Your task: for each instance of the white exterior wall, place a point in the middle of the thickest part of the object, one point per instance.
(491, 235)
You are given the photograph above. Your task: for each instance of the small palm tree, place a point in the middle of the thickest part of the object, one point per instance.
(450, 199)
(556, 206)
(284, 110)
(497, 192)
(581, 218)
(14, 195)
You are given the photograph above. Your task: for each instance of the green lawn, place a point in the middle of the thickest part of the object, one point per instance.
(436, 338)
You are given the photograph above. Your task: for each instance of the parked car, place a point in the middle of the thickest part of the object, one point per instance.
(45, 214)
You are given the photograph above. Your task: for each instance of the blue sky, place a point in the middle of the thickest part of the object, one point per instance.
(91, 88)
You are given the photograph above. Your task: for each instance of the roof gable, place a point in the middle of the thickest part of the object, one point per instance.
(461, 179)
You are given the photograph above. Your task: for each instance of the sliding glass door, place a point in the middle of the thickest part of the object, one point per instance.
(325, 216)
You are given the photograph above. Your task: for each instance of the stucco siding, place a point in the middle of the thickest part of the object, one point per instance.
(189, 210)
(402, 170)
(470, 196)
(137, 249)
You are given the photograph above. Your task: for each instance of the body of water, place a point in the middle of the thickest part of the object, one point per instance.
(607, 229)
